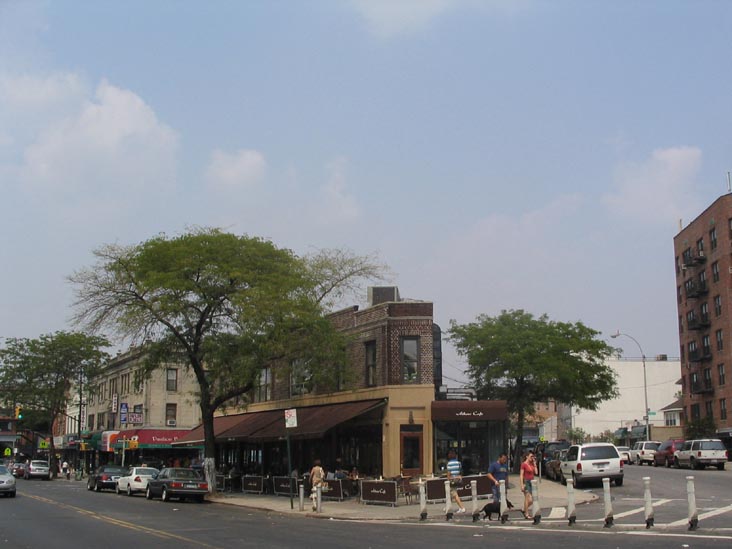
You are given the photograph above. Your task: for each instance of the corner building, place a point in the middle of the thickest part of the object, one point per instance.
(703, 251)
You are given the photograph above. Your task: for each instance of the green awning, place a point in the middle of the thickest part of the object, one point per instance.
(96, 438)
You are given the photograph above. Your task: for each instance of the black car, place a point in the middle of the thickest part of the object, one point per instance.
(105, 477)
(177, 482)
(545, 452)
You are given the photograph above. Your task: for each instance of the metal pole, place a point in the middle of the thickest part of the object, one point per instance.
(78, 434)
(645, 382)
(289, 470)
(503, 506)
(474, 497)
(302, 497)
(448, 501)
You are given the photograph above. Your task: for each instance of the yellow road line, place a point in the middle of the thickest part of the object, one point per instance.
(121, 523)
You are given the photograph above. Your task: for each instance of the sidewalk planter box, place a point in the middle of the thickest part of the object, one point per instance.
(435, 488)
(379, 491)
(252, 485)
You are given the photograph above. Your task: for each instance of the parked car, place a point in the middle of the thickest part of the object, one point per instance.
(7, 482)
(135, 480)
(643, 451)
(37, 468)
(624, 452)
(665, 453)
(592, 461)
(105, 477)
(547, 450)
(553, 466)
(18, 469)
(177, 482)
(698, 454)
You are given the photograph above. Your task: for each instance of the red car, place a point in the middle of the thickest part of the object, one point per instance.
(18, 469)
(665, 453)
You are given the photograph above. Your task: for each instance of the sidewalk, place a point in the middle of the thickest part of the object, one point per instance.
(552, 494)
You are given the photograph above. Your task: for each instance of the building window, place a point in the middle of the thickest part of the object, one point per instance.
(720, 340)
(702, 279)
(671, 419)
(370, 350)
(101, 420)
(715, 271)
(340, 377)
(90, 422)
(713, 238)
(707, 378)
(263, 390)
(171, 413)
(679, 294)
(410, 359)
(695, 412)
(706, 345)
(301, 379)
(700, 246)
(722, 408)
(125, 383)
(709, 408)
(171, 379)
(717, 305)
(720, 373)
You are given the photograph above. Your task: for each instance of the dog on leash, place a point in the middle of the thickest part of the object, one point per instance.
(495, 507)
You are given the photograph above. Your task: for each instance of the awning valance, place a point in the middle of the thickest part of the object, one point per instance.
(151, 438)
(469, 410)
(195, 436)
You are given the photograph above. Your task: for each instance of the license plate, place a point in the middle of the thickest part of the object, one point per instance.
(191, 486)
(601, 464)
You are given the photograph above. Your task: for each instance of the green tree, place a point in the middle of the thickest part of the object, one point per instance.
(224, 305)
(38, 373)
(703, 427)
(577, 435)
(524, 360)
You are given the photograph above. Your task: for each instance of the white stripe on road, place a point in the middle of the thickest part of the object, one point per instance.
(640, 509)
(709, 514)
(557, 513)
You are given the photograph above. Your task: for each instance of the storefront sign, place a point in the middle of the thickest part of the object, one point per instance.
(379, 491)
(123, 412)
(435, 488)
(252, 484)
(281, 486)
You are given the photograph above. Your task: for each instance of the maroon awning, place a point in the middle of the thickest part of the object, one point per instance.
(469, 410)
(250, 424)
(221, 424)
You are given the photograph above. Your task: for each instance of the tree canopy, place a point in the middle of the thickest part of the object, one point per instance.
(524, 360)
(37, 374)
(224, 305)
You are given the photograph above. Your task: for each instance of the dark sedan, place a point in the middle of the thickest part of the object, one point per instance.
(105, 477)
(18, 469)
(177, 482)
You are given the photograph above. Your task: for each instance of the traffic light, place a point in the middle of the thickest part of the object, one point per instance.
(18, 412)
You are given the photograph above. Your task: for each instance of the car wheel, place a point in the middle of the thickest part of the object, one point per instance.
(199, 499)
(720, 466)
(164, 496)
(668, 462)
(89, 485)
(676, 463)
(97, 488)
(575, 480)
(148, 493)
(655, 463)
(638, 460)
(692, 464)
(12, 494)
(116, 489)
(562, 479)
(129, 490)
(619, 482)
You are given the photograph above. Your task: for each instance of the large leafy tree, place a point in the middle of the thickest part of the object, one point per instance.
(524, 360)
(222, 304)
(38, 373)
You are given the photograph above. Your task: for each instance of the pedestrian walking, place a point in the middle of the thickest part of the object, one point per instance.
(317, 478)
(455, 475)
(497, 472)
(526, 475)
(65, 470)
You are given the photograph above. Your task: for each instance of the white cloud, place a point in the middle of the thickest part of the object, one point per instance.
(337, 203)
(239, 169)
(389, 17)
(660, 189)
(113, 144)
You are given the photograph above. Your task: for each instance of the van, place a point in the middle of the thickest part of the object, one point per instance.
(643, 451)
(665, 453)
(593, 461)
(698, 454)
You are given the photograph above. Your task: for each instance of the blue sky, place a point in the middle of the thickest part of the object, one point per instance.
(523, 154)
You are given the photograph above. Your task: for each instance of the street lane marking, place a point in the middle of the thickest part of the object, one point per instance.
(121, 523)
(709, 514)
(557, 513)
(641, 509)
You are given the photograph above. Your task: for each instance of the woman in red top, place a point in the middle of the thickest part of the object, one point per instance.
(528, 471)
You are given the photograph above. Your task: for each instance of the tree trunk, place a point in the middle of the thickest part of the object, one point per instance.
(209, 459)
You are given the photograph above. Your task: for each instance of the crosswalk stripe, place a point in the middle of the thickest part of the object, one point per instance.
(703, 516)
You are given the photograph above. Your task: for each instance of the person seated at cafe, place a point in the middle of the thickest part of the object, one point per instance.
(340, 472)
(353, 475)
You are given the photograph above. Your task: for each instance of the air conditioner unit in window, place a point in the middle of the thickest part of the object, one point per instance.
(170, 423)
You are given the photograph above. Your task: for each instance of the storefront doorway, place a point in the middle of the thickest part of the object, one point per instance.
(411, 448)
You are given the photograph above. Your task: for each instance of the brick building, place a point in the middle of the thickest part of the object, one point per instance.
(703, 251)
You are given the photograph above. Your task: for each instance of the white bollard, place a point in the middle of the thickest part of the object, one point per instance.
(648, 501)
(571, 509)
(474, 498)
(302, 497)
(608, 503)
(503, 506)
(448, 501)
(535, 506)
(422, 500)
(691, 494)
(319, 497)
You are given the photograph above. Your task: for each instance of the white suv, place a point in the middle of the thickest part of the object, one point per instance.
(697, 454)
(643, 451)
(593, 461)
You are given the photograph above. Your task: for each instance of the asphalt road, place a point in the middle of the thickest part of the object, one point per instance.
(60, 514)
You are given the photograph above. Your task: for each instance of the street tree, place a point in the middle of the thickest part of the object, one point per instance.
(524, 360)
(225, 306)
(39, 372)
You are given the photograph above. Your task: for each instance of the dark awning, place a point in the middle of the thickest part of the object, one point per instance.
(250, 424)
(315, 421)
(469, 410)
(221, 424)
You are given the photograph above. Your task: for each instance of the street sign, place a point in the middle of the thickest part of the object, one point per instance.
(7, 452)
(291, 418)
(651, 413)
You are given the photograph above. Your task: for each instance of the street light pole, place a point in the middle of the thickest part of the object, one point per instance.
(645, 380)
(78, 434)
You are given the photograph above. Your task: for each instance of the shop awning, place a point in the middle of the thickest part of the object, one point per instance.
(94, 439)
(151, 438)
(469, 410)
(250, 424)
(638, 431)
(8, 438)
(315, 421)
(195, 437)
(621, 433)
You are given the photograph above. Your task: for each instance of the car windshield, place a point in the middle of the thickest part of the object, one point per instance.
(145, 471)
(113, 470)
(599, 452)
(3, 470)
(712, 445)
(184, 473)
(652, 445)
(37, 463)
